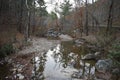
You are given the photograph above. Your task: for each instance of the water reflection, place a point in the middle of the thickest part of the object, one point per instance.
(39, 64)
(63, 63)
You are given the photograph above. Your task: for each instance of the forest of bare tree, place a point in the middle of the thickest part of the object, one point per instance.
(59, 40)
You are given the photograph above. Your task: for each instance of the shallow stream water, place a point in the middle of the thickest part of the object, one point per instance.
(63, 62)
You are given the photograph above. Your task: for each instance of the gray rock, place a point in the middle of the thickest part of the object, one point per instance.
(52, 33)
(92, 47)
(103, 65)
(21, 77)
(89, 57)
(19, 70)
(77, 75)
(79, 42)
(116, 71)
(97, 55)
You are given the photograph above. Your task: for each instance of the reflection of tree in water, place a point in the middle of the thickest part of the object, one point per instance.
(39, 65)
(63, 55)
(66, 57)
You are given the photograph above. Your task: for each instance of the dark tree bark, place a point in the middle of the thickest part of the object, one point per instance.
(1, 2)
(92, 17)
(27, 26)
(86, 22)
(21, 15)
(110, 17)
(33, 27)
(29, 29)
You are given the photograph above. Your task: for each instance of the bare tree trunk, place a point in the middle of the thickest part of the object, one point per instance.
(1, 7)
(33, 29)
(110, 17)
(58, 27)
(86, 22)
(27, 22)
(21, 15)
(92, 17)
(78, 17)
(81, 20)
(29, 29)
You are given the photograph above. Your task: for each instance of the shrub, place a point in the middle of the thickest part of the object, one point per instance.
(114, 53)
(5, 50)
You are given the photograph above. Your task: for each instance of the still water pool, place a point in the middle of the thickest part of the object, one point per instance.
(63, 62)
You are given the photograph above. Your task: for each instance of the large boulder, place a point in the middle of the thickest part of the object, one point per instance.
(104, 65)
(103, 69)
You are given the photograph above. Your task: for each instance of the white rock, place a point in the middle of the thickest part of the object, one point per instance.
(21, 77)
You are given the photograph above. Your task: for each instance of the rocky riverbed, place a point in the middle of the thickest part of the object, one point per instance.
(65, 59)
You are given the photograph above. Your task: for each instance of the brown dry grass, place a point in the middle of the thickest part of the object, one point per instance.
(9, 34)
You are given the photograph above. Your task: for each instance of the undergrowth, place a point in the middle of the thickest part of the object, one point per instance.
(5, 50)
(114, 53)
